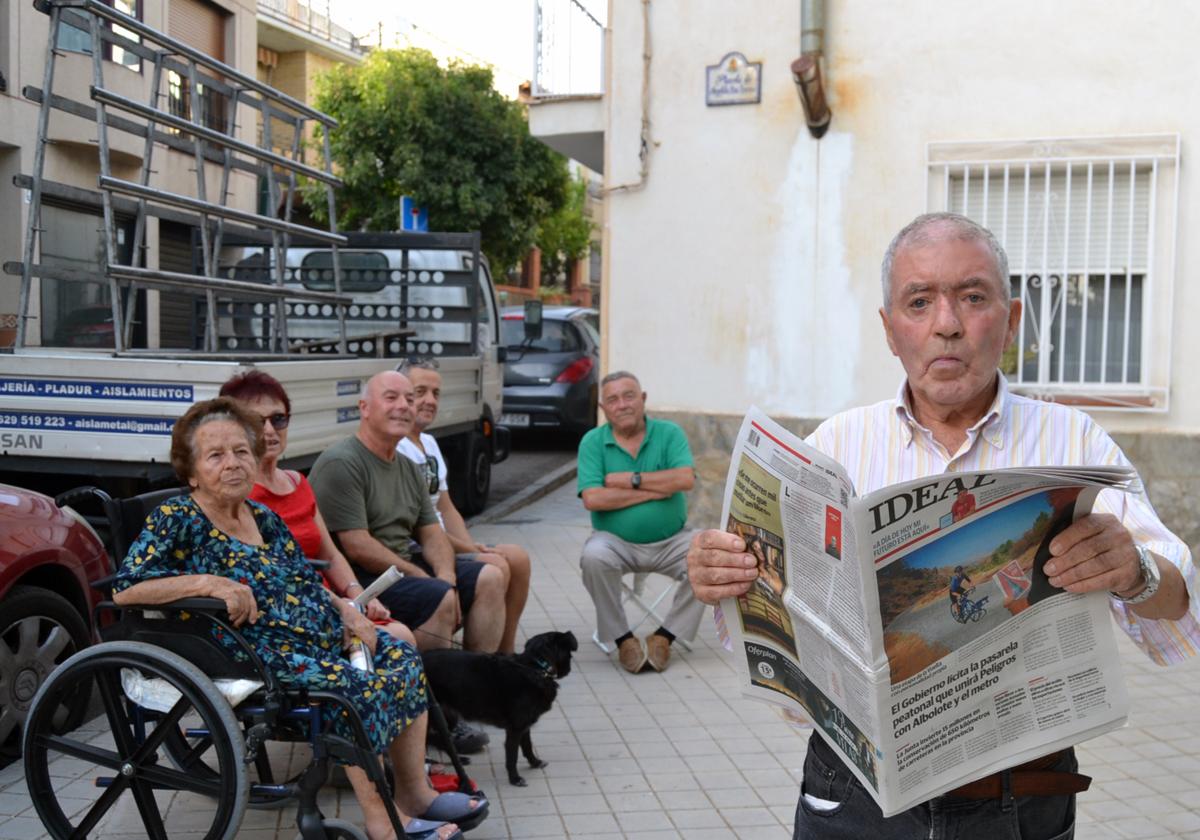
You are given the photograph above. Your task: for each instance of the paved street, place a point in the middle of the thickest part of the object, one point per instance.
(526, 465)
(678, 755)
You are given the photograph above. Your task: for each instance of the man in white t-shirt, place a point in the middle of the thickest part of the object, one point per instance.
(421, 448)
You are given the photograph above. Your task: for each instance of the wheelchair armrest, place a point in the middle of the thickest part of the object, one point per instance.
(198, 605)
(103, 584)
(209, 605)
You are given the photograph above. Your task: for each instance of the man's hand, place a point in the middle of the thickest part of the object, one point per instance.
(238, 598)
(376, 611)
(622, 480)
(719, 567)
(355, 624)
(1094, 553)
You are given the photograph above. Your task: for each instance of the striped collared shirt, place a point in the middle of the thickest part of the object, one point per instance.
(883, 444)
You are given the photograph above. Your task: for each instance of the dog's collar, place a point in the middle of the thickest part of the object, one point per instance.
(544, 666)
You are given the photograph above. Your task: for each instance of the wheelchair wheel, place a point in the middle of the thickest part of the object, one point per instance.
(129, 745)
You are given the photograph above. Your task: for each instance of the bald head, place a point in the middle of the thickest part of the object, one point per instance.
(385, 409)
(381, 380)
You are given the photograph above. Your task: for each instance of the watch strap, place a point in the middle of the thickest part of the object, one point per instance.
(1150, 575)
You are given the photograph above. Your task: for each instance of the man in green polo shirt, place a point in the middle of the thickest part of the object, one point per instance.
(633, 473)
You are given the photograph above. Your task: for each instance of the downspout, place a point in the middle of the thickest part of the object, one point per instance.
(806, 70)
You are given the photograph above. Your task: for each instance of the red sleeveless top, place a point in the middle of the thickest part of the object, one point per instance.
(298, 510)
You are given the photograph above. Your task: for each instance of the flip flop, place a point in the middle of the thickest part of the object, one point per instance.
(428, 830)
(455, 807)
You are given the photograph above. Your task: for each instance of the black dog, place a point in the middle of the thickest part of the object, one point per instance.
(510, 692)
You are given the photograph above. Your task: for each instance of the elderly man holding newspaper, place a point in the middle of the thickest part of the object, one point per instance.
(948, 315)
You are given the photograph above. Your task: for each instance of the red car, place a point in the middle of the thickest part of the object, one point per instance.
(47, 557)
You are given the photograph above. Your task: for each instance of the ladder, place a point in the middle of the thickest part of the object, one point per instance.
(214, 149)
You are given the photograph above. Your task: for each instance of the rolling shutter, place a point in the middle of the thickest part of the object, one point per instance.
(198, 24)
(175, 309)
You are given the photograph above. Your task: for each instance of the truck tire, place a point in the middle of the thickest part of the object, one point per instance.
(471, 474)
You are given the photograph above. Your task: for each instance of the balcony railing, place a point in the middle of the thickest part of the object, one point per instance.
(315, 21)
(568, 47)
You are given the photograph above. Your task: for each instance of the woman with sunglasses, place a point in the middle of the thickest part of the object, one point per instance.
(288, 493)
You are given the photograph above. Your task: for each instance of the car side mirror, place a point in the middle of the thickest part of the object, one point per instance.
(533, 320)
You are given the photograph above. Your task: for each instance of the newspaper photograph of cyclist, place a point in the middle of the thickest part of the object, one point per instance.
(981, 571)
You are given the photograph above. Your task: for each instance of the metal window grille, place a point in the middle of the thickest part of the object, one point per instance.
(1087, 226)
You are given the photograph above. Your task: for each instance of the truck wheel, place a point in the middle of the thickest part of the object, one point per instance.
(39, 630)
(472, 475)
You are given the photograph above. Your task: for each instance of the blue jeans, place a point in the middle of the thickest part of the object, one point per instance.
(856, 816)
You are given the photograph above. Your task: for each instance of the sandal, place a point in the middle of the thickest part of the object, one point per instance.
(456, 807)
(428, 830)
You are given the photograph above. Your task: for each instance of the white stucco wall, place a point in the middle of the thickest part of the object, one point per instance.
(744, 268)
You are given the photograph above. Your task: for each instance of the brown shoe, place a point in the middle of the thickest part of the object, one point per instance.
(658, 652)
(632, 654)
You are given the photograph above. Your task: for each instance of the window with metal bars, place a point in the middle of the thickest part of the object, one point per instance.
(213, 104)
(1084, 232)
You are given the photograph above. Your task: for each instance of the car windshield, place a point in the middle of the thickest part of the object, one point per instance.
(557, 336)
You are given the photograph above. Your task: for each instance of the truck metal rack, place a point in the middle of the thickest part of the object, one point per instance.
(212, 149)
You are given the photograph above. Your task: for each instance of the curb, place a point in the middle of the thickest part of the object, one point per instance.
(544, 485)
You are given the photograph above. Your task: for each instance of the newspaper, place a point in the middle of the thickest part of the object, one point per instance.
(851, 622)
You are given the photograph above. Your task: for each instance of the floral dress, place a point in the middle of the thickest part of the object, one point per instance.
(298, 633)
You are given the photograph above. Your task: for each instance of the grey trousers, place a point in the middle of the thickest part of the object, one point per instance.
(606, 557)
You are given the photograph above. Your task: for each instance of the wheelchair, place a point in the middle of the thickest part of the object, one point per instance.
(171, 727)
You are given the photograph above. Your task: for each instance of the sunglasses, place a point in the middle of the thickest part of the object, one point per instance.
(278, 421)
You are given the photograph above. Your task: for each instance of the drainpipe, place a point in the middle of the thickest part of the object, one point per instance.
(806, 70)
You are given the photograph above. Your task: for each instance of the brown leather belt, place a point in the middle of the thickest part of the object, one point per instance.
(1033, 778)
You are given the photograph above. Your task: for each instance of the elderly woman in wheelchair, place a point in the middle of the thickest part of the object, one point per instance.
(214, 544)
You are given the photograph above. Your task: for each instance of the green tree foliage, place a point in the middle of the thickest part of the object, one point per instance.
(408, 126)
(566, 234)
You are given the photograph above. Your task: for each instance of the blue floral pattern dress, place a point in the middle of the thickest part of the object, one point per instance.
(298, 633)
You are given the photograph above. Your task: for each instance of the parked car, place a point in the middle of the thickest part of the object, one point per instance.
(87, 326)
(550, 382)
(48, 556)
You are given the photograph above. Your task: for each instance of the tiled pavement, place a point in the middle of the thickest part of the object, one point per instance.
(679, 755)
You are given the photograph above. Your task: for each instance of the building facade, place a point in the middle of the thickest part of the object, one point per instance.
(764, 242)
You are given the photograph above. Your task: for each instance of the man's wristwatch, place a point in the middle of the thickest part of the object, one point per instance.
(635, 480)
(1150, 576)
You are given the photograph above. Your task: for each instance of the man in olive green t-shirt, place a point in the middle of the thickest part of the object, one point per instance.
(376, 506)
(633, 473)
